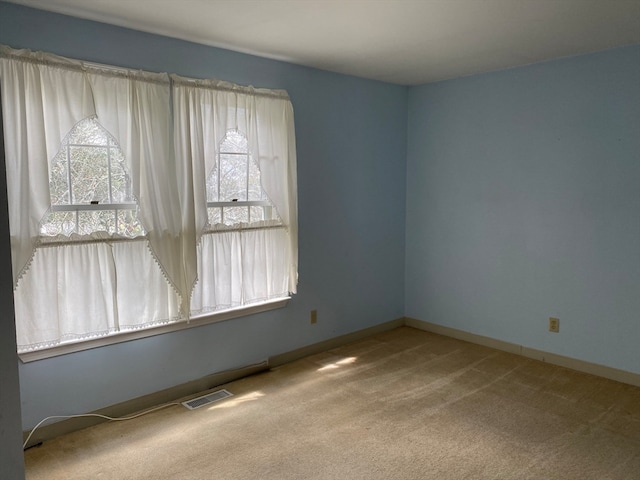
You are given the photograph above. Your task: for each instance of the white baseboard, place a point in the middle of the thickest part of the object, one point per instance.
(562, 361)
(334, 342)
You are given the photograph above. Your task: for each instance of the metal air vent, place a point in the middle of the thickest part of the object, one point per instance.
(207, 399)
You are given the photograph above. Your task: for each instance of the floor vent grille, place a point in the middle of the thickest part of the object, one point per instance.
(207, 399)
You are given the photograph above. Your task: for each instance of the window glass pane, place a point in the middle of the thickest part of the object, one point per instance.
(88, 132)
(233, 177)
(234, 215)
(212, 185)
(122, 222)
(58, 179)
(89, 175)
(120, 184)
(128, 224)
(96, 221)
(255, 188)
(215, 215)
(59, 223)
(256, 214)
(234, 142)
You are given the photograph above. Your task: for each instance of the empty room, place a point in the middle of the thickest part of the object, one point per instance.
(320, 239)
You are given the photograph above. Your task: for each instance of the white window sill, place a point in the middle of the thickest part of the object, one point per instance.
(195, 321)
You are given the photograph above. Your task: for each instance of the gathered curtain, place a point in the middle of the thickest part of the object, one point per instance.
(86, 290)
(250, 265)
(79, 288)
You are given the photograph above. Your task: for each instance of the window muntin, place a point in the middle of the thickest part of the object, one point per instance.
(234, 192)
(89, 186)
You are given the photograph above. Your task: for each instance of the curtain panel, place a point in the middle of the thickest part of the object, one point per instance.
(43, 97)
(205, 110)
(75, 292)
(80, 287)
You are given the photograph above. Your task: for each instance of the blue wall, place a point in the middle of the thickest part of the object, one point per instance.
(351, 141)
(523, 202)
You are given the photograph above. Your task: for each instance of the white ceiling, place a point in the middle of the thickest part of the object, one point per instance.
(407, 42)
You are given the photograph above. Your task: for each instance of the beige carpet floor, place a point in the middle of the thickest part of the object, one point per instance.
(404, 404)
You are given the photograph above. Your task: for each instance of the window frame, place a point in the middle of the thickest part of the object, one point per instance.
(127, 336)
(222, 204)
(95, 205)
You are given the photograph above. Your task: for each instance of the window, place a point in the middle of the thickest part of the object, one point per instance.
(241, 146)
(90, 189)
(234, 191)
(139, 204)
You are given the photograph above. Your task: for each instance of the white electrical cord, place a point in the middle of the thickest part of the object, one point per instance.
(24, 445)
(264, 363)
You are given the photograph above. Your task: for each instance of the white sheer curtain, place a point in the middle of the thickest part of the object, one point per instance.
(250, 266)
(80, 287)
(253, 264)
(40, 105)
(87, 289)
(136, 110)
